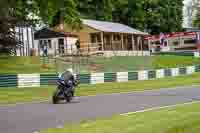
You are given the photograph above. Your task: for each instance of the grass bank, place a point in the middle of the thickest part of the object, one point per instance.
(168, 61)
(180, 119)
(15, 95)
(15, 65)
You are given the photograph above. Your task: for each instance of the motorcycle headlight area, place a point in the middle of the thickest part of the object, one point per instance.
(62, 81)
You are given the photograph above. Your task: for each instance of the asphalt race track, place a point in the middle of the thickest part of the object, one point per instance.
(32, 117)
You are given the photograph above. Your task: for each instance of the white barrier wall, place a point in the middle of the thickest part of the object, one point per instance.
(122, 76)
(97, 78)
(143, 75)
(190, 69)
(160, 73)
(175, 72)
(28, 80)
(35, 80)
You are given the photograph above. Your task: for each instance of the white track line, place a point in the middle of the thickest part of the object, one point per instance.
(157, 108)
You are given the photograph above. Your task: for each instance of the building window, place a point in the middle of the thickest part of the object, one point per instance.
(98, 38)
(46, 43)
(41, 44)
(93, 38)
(175, 43)
(192, 41)
(117, 37)
(157, 43)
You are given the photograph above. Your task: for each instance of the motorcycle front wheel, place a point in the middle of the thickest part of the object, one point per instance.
(55, 97)
(69, 97)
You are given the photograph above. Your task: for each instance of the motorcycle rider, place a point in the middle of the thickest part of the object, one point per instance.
(69, 80)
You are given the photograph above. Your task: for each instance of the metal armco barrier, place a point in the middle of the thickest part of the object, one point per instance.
(37, 80)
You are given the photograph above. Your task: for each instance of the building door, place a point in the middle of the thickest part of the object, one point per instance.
(61, 46)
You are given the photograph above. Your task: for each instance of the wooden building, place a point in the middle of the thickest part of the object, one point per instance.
(107, 36)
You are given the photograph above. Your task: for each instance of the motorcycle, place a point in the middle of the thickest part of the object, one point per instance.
(63, 92)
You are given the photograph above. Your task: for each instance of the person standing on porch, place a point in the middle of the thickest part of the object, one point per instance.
(78, 46)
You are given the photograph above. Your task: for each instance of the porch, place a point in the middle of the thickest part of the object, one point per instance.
(118, 42)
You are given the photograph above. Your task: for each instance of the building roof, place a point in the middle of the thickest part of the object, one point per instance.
(193, 29)
(111, 27)
(46, 33)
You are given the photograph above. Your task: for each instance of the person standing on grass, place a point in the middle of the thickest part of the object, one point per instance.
(45, 51)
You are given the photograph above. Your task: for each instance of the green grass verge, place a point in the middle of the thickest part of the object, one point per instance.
(120, 63)
(15, 65)
(168, 61)
(179, 119)
(15, 95)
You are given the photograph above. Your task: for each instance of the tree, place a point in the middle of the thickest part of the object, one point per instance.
(196, 21)
(20, 12)
(53, 12)
(7, 36)
(156, 15)
(120, 11)
(96, 9)
(9, 18)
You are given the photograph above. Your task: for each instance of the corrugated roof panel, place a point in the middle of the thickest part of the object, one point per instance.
(111, 27)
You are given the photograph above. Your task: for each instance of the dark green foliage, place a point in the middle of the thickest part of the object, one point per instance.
(153, 15)
(196, 21)
(19, 13)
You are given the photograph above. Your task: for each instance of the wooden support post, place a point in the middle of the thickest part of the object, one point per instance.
(137, 44)
(95, 38)
(182, 40)
(96, 42)
(133, 43)
(112, 38)
(148, 41)
(127, 44)
(122, 40)
(102, 42)
(141, 43)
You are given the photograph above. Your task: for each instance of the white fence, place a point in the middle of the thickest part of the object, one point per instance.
(126, 53)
